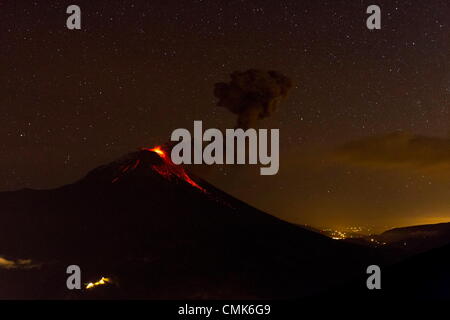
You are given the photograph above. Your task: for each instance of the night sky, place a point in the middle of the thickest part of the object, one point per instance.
(364, 133)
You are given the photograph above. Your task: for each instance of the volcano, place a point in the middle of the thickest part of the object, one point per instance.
(155, 231)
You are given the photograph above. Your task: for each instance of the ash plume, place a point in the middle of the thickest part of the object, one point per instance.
(252, 95)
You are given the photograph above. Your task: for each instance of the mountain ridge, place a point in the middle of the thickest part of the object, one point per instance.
(162, 233)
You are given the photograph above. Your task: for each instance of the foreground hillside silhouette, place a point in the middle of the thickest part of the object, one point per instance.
(160, 233)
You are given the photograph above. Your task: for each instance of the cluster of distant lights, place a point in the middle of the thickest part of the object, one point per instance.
(352, 232)
(347, 233)
(337, 235)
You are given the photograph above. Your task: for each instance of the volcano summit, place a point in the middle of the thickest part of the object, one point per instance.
(160, 233)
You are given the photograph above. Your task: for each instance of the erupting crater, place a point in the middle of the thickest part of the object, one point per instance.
(170, 170)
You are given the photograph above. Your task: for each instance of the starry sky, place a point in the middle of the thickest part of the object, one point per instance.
(364, 133)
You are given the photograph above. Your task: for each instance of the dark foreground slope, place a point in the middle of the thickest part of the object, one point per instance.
(159, 235)
(425, 276)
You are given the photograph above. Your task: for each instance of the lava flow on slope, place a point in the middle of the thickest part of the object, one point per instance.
(169, 170)
(164, 166)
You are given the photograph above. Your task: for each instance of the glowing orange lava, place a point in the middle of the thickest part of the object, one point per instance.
(100, 282)
(170, 169)
(159, 151)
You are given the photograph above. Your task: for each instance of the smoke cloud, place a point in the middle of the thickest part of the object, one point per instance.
(252, 95)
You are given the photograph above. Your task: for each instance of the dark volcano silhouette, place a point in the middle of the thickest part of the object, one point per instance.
(160, 233)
